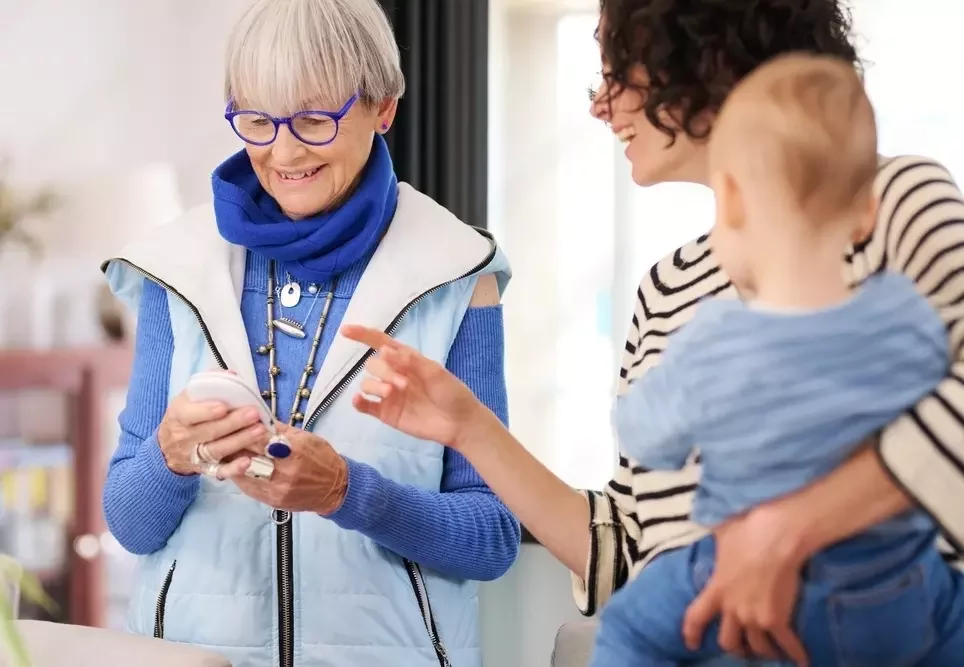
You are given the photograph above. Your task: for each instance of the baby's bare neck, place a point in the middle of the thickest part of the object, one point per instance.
(800, 266)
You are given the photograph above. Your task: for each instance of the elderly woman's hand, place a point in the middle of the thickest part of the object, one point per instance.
(313, 478)
(208, 428)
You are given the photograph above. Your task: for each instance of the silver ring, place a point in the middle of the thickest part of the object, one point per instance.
(200, 455)
(211, 470)
(261, 467)
(204, 454)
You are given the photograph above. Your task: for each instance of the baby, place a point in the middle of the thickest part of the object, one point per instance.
(778, 388)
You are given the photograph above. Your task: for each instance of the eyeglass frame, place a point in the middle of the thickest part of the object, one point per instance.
(335, 116)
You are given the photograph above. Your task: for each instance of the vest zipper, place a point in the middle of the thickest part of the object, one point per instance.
(425, 608)
(284, 541)
(162, 602)
(282, 519)
(392, 328)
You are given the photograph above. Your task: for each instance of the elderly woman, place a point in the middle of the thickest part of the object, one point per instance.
(354, 544)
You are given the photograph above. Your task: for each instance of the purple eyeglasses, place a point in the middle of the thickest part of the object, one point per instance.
(316, 128)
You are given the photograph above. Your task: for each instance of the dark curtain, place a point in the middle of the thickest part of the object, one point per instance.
(440, 140)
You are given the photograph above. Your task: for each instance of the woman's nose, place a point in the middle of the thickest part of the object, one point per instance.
(286, 145)
(598, 106)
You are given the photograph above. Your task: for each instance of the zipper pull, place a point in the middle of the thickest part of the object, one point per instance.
(280, 517)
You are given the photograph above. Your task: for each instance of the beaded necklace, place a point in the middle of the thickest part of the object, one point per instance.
(297, 415)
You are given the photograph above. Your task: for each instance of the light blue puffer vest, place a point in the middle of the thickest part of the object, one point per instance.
(217, 583)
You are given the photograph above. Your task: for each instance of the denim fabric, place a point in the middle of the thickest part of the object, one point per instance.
(870, 602)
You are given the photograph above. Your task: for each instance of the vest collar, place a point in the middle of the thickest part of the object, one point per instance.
(424, 249)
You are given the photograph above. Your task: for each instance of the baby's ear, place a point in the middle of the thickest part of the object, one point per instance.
(730, 212)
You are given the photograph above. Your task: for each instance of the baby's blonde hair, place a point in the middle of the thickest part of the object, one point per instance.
(803, 123)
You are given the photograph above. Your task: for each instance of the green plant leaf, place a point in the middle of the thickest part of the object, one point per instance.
(31, 589)
(10, 568)
(17, 208)
(28, 241)
(43, 202)
(10, 635)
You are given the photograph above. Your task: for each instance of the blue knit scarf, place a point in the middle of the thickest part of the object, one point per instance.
(318, 248)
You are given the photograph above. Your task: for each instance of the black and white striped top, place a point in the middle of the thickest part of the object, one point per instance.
(920, 233)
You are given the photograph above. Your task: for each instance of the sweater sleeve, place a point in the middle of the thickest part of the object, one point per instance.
(922, 211)
(463, 530)
(143, 499)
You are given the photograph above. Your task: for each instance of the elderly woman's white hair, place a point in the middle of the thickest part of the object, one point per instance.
(288, 55)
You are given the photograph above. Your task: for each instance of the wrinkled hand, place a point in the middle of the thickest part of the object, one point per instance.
(415, 394)
(754, 589)
(226, 434)
(313, 478)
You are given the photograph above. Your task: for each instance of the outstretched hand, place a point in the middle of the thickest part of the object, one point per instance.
(410, 392)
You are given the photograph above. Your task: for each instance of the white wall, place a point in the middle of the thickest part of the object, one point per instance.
(522, 611)
(96, 97)
(105, 84)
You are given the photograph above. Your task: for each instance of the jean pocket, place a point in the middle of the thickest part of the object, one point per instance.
(702, 564)
(887, 625)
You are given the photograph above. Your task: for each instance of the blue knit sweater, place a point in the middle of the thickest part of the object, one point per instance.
(776, 400)
(463, 530)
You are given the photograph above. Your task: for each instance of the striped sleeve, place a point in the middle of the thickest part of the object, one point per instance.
(606, 570)
(923, 212)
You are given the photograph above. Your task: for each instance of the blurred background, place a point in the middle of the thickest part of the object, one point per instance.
(111, 122)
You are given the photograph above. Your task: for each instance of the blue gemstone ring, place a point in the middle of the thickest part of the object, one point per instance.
(278, 448)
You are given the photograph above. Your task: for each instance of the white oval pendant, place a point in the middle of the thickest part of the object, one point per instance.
(290, 295)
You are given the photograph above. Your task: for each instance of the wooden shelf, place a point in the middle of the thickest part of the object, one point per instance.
(84, 377)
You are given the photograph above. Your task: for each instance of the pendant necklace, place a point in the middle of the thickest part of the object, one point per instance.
(290, 294)
(278, 448)
(288, 297)
(296, 416)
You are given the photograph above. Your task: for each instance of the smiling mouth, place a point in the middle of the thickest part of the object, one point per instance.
(626, 135)
(297, 175)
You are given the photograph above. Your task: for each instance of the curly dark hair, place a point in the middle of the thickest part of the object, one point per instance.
(694, 51)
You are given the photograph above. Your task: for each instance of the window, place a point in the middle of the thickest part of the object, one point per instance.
(583, 265)
(580, 234)
(911, 56)
(552, 210)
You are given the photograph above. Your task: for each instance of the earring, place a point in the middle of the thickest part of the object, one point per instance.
(385, 127)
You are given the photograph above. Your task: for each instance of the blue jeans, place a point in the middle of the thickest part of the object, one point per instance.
(868, 602)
